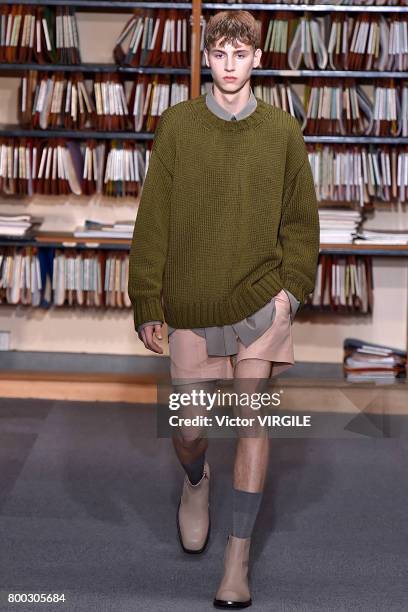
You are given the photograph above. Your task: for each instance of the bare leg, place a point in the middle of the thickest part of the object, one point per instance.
(252, 453)
(190, 442)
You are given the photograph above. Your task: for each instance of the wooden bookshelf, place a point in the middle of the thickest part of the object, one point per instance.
(196, 72)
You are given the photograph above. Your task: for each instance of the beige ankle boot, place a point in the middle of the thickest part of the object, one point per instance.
(193, 514)
(233, 591)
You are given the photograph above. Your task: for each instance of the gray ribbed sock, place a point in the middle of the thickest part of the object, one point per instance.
(195, 469)
(245, 506)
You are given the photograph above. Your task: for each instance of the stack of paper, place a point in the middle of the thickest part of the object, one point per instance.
(369, 361)
(17, 225)
(338, 225)
(382, 237)
(96, 229)
(384, 228)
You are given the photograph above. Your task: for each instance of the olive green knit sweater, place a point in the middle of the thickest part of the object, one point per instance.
(228, 216)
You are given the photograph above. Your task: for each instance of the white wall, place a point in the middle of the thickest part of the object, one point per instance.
(318, 337)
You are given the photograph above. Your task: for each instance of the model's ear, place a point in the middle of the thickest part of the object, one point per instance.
(257, 58)
(206, 58)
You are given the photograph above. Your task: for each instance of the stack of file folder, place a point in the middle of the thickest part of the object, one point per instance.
(96, 229)
(369, 361)
(18, 226)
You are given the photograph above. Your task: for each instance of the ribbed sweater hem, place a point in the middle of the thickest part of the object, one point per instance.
(243, 303)
(293, 286)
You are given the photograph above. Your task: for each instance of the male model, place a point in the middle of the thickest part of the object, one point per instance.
(225, 250)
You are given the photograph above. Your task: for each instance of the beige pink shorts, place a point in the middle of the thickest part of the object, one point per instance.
(189, 360)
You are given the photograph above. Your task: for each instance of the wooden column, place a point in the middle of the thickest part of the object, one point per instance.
(195, 49)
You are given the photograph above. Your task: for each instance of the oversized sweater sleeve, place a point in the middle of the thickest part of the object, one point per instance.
(299, 232)
(148, 250)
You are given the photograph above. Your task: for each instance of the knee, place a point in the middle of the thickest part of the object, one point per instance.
(190, 437)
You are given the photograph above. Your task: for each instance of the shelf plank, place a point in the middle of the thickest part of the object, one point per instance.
(93, 68)
(325, 8)
(89, 67)
(86, 134)
(17, 132)
(127, 4)
(105, 4)
(65, 240)
(372, 74)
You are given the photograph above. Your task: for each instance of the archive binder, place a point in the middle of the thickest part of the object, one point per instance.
(66, 100)
(158, 37)
(276, 32)
(55, 100)
(43, 277)
(38, 33)
(21, 276)
(344, 284)
(57, 166)
(151, 94)
(111, 106)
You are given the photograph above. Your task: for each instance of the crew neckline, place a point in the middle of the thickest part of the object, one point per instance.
(210, 119)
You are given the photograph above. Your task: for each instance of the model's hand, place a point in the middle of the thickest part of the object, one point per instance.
(147, 335)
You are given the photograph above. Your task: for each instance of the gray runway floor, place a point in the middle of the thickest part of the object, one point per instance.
(88, 496)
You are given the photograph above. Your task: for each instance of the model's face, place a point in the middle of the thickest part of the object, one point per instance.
(231, 65)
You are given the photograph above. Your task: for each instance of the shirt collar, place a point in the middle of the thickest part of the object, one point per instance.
(221, 112)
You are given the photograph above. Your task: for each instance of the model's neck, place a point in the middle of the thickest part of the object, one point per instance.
(232, 103)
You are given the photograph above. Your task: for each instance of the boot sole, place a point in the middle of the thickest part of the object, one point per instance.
(232, 605)
(187, 550)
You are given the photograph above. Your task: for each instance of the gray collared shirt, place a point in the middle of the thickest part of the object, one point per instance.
(222, 340)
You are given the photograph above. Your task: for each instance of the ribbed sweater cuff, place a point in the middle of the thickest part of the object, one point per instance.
(147, 310)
